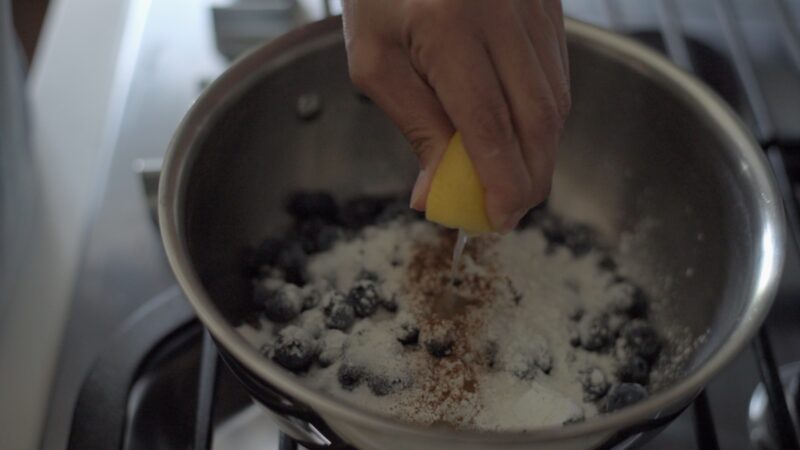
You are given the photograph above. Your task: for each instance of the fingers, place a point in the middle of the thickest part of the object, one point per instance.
(387, 77)
(555, 13)
(545, 29)
(460, 71)
(526, 84)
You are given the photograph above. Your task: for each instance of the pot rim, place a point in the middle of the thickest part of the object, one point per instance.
(769, 235)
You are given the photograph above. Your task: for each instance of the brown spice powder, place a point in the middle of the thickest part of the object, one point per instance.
(455, 311)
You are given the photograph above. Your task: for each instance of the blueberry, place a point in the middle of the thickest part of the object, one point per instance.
(389, 303)
(350, 376)
(264, 287)
(406, 329)
(365, 298)
(440, 346)
(607, 263)
(490, 353)
(369, 275)
(595, 384)
(574, 420)
(579, 239)
(594, 333)
(615, 323)
(527, 359)
(381, 385)
(575, 313)
(311, 297)
(316, 235)
(397, 210)
(635, 370)
(641, 338)
(339, 313)
(281, 302)
(574, 337)
(313, 321)
(639, 306)
(534, 217)
(294, 349)
(552, 229)
(266, 254)
(628, 298)
(292, 260)
(332, 345)
(554, 234)
(312, 205)
(284, 254)
(264, 272)
(360, 212)
(622, 395)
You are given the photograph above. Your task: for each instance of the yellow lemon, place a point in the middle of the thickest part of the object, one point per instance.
(456, 198)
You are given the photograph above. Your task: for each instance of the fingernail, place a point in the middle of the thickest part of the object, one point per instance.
(416, 193)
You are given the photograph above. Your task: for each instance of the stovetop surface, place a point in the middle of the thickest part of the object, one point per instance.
(124, 265)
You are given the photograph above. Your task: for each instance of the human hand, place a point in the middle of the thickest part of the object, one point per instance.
(497, 71)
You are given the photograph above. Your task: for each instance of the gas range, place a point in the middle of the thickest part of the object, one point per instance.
(137, 371)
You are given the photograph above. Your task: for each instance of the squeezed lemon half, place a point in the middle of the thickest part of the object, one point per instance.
(457, 198)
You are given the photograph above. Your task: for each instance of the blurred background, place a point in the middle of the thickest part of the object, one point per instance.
(97, 347)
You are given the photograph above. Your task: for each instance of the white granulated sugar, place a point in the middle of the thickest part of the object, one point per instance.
(375, 251)
(374, 347)
(509, 404)
(506, 347)
(683, 348)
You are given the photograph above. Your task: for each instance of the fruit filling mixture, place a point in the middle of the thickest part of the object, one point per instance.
(535, 328)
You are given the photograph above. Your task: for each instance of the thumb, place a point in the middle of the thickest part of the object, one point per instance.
(388, 78)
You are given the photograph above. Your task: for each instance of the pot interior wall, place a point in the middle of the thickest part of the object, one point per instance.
(637, 162)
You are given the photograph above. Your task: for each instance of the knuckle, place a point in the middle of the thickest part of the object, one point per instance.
(421, 141)
(427, 23)
(421, 54)
(492, 124)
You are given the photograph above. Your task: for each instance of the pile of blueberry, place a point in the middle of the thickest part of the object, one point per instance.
(576, 237)
(314, 323)
(623, 330)
(318, 221)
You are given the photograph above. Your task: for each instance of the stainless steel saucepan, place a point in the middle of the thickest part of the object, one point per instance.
(650, 156)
